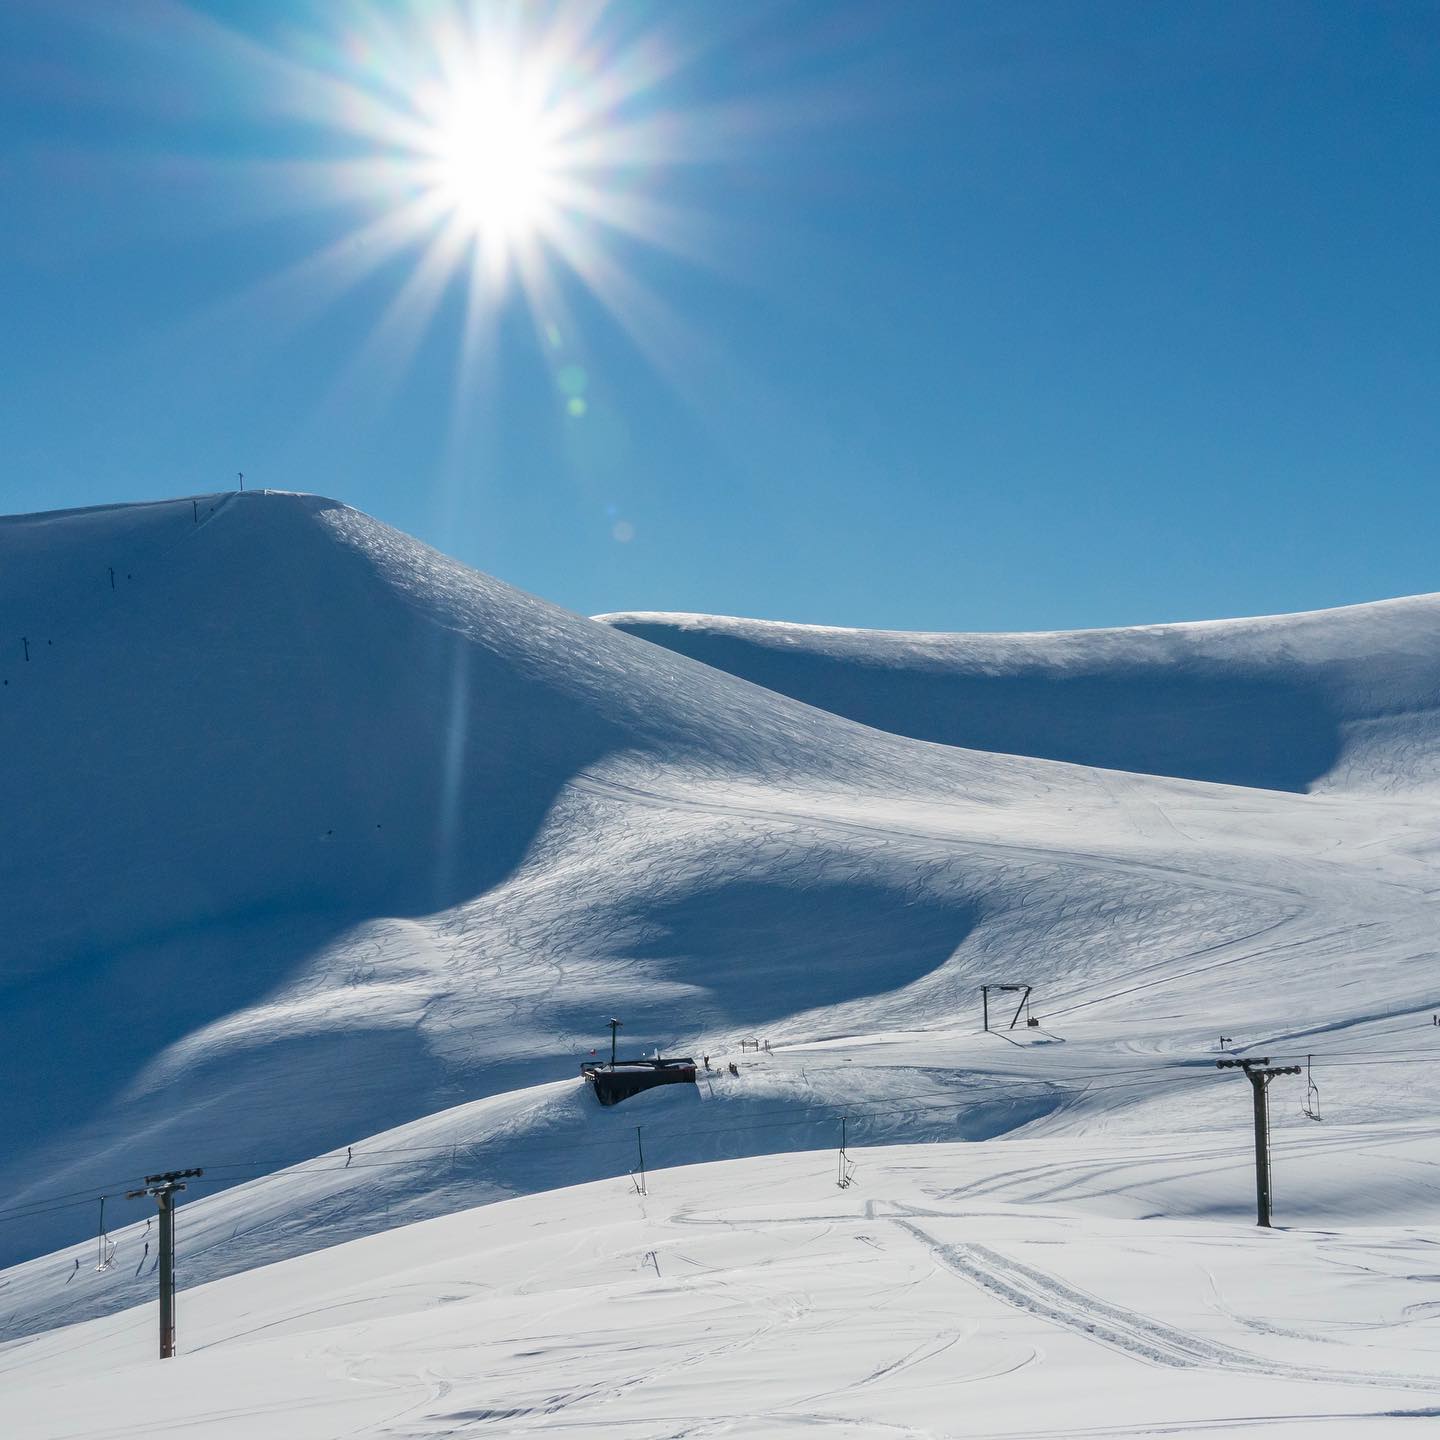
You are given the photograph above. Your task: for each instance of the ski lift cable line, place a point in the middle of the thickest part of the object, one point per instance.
(1349, 1062)
(277, 1170)
(622, 1145)
(1198, 1063)
(50, 1209)
(113, 1187)
(860, 1109)
(809, 1115)
(986, 1081)
(810, 1112)
(625, 1166)
(1168, 979)
(945, 1099)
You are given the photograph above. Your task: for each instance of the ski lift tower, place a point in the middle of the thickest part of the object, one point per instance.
(1022, 990)
(163, 1189)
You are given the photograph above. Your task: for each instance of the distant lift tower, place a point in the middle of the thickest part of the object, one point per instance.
(1019, 1009)
(1259, 1072)
(163, 1188)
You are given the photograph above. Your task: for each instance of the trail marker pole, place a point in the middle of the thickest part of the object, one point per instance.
(1259, 1072)
(640, 1149)
(163, 1188)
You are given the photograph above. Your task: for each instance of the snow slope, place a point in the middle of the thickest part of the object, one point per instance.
(1013, 1290)
(325, 860)
(1337, 699)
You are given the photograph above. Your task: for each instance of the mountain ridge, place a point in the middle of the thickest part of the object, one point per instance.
(1324, 699)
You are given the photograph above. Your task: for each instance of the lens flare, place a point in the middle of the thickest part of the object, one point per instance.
(471, 154)
(506, 147)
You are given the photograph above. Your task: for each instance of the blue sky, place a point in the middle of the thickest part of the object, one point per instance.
(932, 316)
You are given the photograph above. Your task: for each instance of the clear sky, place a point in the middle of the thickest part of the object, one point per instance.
(933, 315)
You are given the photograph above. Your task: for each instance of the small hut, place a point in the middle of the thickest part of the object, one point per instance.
(618, 1080)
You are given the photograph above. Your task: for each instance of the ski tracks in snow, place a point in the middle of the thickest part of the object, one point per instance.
(1143, 1337)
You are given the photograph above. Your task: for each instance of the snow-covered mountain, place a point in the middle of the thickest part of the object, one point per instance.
(1331, 700)
(326, 859)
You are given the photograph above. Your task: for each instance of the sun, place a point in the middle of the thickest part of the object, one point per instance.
(496, 162)
(485, 158)
(495, 167)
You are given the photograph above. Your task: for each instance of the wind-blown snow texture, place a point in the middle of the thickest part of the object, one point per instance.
(324, 860)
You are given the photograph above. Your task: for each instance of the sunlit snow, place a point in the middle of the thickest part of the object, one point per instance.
(326, 860)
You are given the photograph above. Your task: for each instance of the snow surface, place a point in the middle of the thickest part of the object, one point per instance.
(325, 861)
(1332, 699)
(1035, 1288)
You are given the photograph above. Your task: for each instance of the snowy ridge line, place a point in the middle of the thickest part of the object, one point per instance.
(1079, 1083)
(941, 640)
(1037, 1293)
(1337, 700)
(25, 517)
(999, 1083)
(813, 1113)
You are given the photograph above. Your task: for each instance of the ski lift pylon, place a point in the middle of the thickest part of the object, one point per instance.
(104, 1245)
(1310, 1107)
